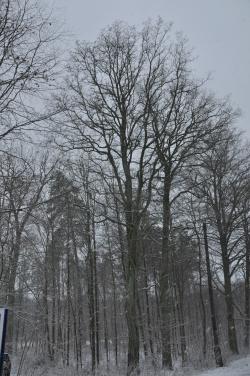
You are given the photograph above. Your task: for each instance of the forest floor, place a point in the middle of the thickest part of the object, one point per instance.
(239, 367)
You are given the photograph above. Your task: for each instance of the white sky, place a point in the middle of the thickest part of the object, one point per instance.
(218, 30)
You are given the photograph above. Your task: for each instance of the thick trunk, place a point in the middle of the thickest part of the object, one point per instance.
(165, 295)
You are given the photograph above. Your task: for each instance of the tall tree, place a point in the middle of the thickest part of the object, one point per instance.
(220, 182)
(184, 117)
(112, 85)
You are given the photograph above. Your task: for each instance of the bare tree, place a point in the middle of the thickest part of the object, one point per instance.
(221, 183)
(27, 62)
(184, 117)
(25, 180)
(112, 86)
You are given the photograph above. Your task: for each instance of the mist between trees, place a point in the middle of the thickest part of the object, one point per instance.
(124, 238)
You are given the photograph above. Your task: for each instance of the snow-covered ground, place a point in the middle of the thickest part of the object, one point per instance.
(239, 367)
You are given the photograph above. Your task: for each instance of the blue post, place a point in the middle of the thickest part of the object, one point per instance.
(3, 327)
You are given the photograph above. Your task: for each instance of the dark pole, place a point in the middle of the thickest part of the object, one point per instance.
(5, 318)
(217, 350)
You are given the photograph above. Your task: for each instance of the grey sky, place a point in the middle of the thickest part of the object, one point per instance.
(218, 30)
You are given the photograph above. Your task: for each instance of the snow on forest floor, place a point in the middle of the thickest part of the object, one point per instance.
(240, 367)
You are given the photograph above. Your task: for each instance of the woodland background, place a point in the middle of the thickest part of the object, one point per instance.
(124, 202)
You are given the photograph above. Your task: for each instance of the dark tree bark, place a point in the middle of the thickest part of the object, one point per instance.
(247, 279)
(149, 322)
(91, 298)
(164, 278)
(217, 350)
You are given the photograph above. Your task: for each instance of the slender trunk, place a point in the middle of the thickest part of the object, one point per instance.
(149, 324)
(46, 306)
(202, 305)
(131, 298)
(114, 300)
(158, 314)
(232, 338)
(53, 314)
(165, 295)
(121, 237)
(180, 312)
(141, 326)
(76, 351)
(78, 292)
(11, 290)
(106, 344)
(68, 308)
(175, 349)
(217, 350)
(247, 285)
(96, 300)
(91, 300)
(182, 336)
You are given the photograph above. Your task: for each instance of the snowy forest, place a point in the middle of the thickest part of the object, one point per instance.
(124, 203)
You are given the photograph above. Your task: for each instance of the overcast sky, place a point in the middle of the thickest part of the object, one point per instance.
(218, 30)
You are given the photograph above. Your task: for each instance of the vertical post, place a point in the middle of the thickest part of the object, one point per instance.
(3, 328)
(217, 350)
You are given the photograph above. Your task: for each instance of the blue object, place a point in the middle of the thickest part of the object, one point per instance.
(3, 328)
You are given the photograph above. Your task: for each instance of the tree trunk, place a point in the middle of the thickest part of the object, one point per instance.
(141, 326)
(164, 279)
(46, 305)
(217, 350)
(96, 300)
(105, 322)
(68, 308)
(232, 338)
(149, 324)
(91, 299)
(114, 297)
(11, 290)
(54, 294)
(180, 313)
(131, 298)
(202, 304)
(247, 284)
